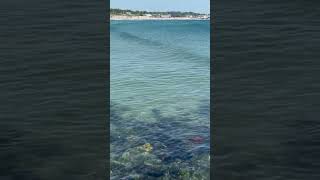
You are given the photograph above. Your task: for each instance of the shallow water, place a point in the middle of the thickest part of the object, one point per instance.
(160, 85)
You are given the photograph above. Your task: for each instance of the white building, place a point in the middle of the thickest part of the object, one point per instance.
(205, 17)
(166, 16)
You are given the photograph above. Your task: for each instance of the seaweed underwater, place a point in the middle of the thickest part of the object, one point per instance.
(169, 148)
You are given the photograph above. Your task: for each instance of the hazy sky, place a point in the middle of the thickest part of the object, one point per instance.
(201, 6)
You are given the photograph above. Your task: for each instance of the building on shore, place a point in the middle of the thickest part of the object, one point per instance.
(165, 16)
(205, 17)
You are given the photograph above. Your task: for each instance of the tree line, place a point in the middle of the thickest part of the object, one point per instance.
(141, 13)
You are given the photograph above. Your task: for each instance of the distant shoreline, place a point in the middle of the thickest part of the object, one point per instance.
(119, 18)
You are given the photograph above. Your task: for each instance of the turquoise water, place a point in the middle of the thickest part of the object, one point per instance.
(160, 85)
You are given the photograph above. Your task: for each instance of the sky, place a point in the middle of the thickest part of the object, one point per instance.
(199, 6)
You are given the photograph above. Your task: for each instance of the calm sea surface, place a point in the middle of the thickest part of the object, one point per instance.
(160, 85)
(53, 68)
(266, 90)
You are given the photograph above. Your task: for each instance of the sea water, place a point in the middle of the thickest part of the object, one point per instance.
(160, 93)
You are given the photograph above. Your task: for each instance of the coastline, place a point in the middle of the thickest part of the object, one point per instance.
(119, 18)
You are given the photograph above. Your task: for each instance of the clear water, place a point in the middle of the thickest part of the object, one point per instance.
(160, 92)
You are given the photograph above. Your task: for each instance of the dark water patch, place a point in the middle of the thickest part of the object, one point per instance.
(265, 85)
(129, 36)
(168, 50)
(53, 90)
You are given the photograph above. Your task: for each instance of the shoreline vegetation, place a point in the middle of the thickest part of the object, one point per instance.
(119, 14)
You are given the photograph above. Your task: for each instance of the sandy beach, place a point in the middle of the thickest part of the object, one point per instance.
(122, 17)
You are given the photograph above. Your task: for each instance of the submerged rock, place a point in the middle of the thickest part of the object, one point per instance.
(147, 147)
(169, 148)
